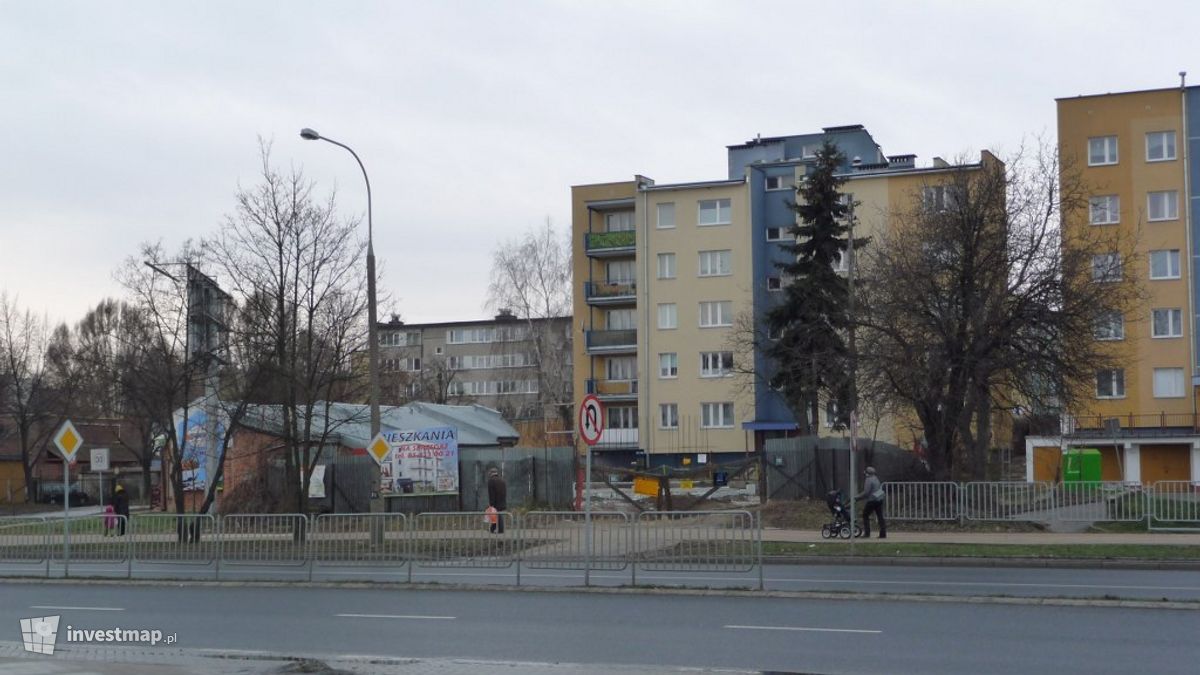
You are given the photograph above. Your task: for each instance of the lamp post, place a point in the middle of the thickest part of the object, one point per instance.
(372, 343)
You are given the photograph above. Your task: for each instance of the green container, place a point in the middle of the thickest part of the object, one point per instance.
(1081, 466)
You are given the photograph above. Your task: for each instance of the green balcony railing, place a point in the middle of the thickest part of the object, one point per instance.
(610, 240)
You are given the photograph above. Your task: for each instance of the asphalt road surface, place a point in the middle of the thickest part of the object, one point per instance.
(937, 580)
(737, 632)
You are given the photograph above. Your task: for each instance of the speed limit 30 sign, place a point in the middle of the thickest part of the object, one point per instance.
(591, 419)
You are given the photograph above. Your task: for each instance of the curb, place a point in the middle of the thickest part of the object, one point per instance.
(932, 561)
(1184, 605)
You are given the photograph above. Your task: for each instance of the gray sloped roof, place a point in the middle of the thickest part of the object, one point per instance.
(349, 424)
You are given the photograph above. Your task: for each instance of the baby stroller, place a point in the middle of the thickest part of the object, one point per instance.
(843, 522)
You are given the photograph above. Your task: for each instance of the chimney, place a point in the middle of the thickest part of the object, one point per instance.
(902, 161)
(940, 163)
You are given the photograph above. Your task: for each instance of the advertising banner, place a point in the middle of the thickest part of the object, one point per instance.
(425, 460)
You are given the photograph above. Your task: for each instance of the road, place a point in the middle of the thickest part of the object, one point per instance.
(939, 580)
(736, 632)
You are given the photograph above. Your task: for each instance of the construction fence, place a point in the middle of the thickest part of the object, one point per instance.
(385, 546)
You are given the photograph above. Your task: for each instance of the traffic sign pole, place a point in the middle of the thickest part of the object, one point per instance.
(68, 441)
(591, 426)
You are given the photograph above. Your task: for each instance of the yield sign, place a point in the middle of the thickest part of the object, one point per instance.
(378, 448)
(591, 419)
(68, 441)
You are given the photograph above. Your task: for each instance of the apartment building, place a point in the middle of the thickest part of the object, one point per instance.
(492, 362)
(668, 275)
(1137, 152)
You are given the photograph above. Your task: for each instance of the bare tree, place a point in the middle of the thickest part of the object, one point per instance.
(296, 266)
(977, 298)
(531, 276)
(29, 393)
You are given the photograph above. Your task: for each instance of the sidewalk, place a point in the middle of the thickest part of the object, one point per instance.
(897, 534)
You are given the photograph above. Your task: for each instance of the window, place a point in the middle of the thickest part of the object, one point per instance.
(774, 332)
(776, 233)
(621, 368)
(938, 197)
(618, 221)
(716, 364)
(1160, 146)
(438, 351)
(1106, 267)
(1163, 205)
(391, 365)
(668, 365)
(1102, 150)
(666, 265)
(1168, 383)
(716, 314)
(716, 415)
(620, 319)
(667, 316)
(714, 212)
(1109, 326)
(455, 389)
(714, 263)
(412, 365)
(809, 151)
(1110, 383)
(666, 216)
(621, 272)
(1104, 210)
(668, 416)
(775, 183)
(1166, 323)
(774, 284)
(621, 417)
(1164, 264)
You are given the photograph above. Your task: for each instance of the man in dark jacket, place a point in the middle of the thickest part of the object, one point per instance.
(121, 508)
(497, 498)
(874, 494)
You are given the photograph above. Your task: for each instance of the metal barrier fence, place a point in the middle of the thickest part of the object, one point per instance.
(380, 545)
(559, 540)
(463, 540)
(264, 539)
(691, 541)
(1007, 501)
(175, 538)
(1173, 505)
(922, 501)
(1096, 501)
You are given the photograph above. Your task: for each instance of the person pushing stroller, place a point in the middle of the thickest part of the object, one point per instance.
(874, 495)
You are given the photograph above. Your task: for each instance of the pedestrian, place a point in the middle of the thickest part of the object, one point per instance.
(110, 520)
(120, 502)
(497, 498)
(874, 495)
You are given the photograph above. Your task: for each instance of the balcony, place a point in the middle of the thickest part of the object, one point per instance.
(609, 244)
(1132, 424)
(611, 341)
(613, 390)
(610, 293)
(617, 439)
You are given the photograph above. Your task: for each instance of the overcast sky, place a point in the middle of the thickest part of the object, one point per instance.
(125, 122)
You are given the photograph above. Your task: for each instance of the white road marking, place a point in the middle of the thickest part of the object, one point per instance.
(90, 609)
(397, 616)
(807, 629)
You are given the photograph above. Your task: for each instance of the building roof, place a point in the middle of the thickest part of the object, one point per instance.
(1121, 93)
(349, 424)
(400, 325)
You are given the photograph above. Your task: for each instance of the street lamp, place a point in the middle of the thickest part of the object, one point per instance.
(373, 344)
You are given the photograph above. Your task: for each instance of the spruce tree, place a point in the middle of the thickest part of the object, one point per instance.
(810, 352)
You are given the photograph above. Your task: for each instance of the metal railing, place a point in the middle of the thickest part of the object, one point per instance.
(381, 545)
(1093, 501)
(599, 241)
(1006, 500)
(923, 501)
(559, 540)
(1173, 505)
(611, 339)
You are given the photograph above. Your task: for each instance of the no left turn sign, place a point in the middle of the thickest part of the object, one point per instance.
(591, 419)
